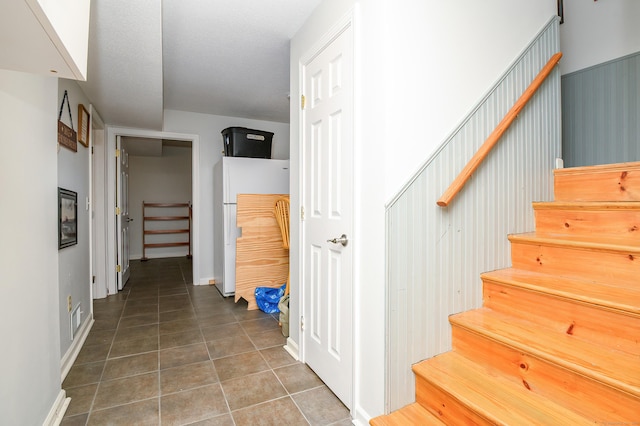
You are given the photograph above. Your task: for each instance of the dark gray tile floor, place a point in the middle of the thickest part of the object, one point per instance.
(165, 352)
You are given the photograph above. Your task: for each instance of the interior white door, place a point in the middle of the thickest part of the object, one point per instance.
(123, 219)
(327, 150)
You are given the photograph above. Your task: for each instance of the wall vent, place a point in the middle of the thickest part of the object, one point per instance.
(76, 320)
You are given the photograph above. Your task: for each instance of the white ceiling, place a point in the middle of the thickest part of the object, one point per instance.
(222, 57)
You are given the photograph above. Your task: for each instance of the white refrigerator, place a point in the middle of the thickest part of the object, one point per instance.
(233, 176)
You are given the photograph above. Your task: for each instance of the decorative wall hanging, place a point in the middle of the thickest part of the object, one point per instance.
(67, 137)
(83, 125)
(67, 218)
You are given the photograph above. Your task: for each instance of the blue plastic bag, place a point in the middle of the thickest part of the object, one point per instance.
(268, 298)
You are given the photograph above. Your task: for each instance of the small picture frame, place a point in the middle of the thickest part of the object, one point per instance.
(67, 218)
(83, 125)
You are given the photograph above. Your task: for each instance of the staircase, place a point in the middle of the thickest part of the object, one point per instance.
(557, 341)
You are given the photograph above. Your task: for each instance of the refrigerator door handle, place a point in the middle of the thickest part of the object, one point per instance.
(227, 228)
(225, 184)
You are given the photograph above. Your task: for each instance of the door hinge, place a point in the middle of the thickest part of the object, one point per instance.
(301, 323)
(93, 279)
(303, 101)
(118, 268)
(117, 211)
(92, 150)
(301, 212)
(117, 153)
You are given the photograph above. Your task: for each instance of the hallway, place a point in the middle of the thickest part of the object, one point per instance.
(163, 351)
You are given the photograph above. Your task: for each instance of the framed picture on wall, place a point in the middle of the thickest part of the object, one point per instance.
(67, 218)
(83, 125)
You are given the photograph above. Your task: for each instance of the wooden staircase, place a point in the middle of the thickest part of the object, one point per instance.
(557, 341)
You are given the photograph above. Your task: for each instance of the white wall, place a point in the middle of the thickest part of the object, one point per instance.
(444, 56)
(165, 179)
(420, 68)
(208, 127)
(597, 32)
(74, 276)
(29, 308)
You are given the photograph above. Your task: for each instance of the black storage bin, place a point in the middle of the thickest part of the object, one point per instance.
(243, 142)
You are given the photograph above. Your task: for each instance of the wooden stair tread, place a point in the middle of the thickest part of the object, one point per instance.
(605, 365)
(624, 299)
(590, 242)
(600, 168)
(493, 398)
(412, 414)
(587, 205)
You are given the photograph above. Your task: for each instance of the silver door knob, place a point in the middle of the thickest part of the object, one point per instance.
(340, 240)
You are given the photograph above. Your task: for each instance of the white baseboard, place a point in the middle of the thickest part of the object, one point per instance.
(360, 417)
(60, 405)
(292, 348)
(72, 353)
(205, 281)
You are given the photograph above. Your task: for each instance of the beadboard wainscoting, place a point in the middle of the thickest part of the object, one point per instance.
(435, 255)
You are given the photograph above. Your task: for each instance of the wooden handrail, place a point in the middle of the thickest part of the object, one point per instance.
(494, 137)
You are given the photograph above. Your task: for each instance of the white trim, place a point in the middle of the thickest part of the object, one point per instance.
(356, 297)
(195, 201)
(112, 133)
(292, 348)
(204, 281)
(92, 219)
(360, 420)
(72, 353)
(98, 245)
(59, 407)
(332, 33)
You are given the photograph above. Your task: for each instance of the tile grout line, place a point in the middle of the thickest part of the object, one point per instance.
(243, 321)
(104, 367)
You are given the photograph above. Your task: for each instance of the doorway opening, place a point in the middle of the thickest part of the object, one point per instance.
(135, 148)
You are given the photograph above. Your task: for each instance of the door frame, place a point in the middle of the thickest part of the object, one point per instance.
(97, 235)
(122, 200)
(348, 20)
(112, 247)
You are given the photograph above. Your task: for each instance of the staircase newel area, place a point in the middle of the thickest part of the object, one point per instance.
(556, 340)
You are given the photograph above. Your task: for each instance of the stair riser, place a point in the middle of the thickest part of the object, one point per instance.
(565, 387)
(619, 184)
(619, 223)
(446, 407)
(581, 320)
(619, 268)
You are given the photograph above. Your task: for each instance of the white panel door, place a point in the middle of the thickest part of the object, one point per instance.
(328, 210)
(123, 219)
